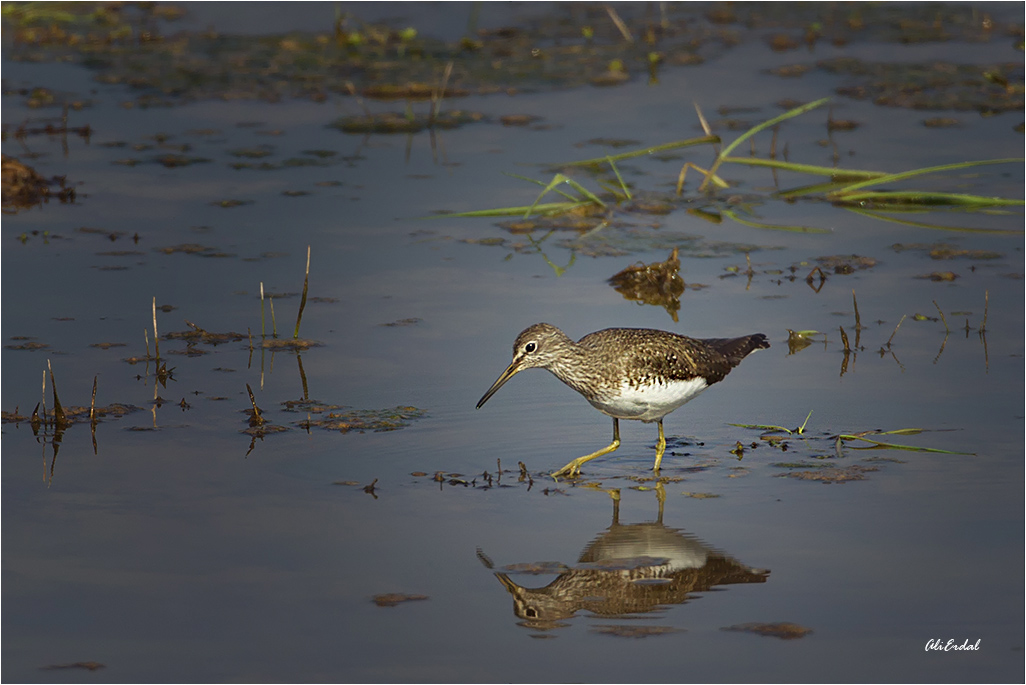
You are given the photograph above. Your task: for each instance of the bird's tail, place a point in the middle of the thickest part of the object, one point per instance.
(736, 349)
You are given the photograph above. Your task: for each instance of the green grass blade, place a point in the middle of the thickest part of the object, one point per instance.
(626, 190)
(645, 151)
(755, 129)
(540, 183)
(790, 114)
(773, 227)
(583, 191)
(545, 208)
(888, 445)
(891, 178)
(922, 224)
(914, 197)
(815, 189)
(833, 172)
(556, 180)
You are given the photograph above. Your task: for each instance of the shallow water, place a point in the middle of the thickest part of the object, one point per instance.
(183, 549)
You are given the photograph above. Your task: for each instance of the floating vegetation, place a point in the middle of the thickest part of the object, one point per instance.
(846, 264)
(345, 419)
(852, 189)
(833, 474)
(395, 122)
(946, 276)
(289, 344)
(633, 631)
(193, 249)
(876, 444)
(75, 414)
(413, 321)
(658, 283)
(84, 665)
(785, 631)
(29, 344)
(392, 599)
(596, 45)
(942, 251)
(201, 335)
(23, 188)
(171, 161)
(799, 340)
(934, 86)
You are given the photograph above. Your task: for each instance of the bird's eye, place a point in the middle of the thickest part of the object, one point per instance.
(530, 347)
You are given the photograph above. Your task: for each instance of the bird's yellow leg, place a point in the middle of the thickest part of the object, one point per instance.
(574, 467)
(660, 447)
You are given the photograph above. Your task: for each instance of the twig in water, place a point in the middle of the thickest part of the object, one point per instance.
(986, 308)
(92, 405)
(256, 419)
(92, 416)
(436, 98)
(156, 339)
(263, 327)
(945, 321)
(302, 302)
(44, 398)
(59, 419)
(620, 25)
(895, 330)
(844, 339)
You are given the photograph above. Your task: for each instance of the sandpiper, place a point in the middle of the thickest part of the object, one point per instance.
(640, 374)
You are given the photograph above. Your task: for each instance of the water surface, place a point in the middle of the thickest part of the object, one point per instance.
(183, 549)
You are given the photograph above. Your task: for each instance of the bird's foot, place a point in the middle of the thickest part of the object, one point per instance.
(570, 470)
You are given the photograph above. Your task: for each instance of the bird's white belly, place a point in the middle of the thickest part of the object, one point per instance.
(649, 402)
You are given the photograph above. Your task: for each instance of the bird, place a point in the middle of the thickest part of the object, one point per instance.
(627, 570)
(638, 374)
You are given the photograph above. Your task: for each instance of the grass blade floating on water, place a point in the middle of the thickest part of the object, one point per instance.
(643, 152)
(755, 129)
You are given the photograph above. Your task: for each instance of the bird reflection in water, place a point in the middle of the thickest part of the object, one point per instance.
(628, 569)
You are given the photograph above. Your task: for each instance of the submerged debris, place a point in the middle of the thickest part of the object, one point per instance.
(940, 276)
(200, 335)
(85, 665)
(345, 419)
(634, 631)
(785, 631)
(846, 264)
(833, 474)
(935, 86)
(72, 415)
(658, 283)
(24, 188)
(394, 122)
(299, 344)
(947, 251)
(392, 599)
(29, 345)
